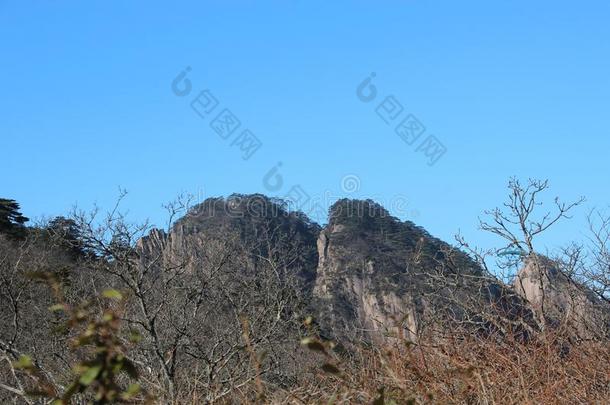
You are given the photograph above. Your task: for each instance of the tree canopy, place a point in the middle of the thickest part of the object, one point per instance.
(12, 222)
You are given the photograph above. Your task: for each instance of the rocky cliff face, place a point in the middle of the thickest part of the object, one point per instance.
(351, 288)
(384, 277)
(366, 274)
(348, 295)
(251, 226)
(558, 300)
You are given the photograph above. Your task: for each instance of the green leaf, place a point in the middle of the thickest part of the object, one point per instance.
(24, 362)
(57, 308)
(90, 375)
(72, 389)
(135, 336)
(112, 294)
(132, 391)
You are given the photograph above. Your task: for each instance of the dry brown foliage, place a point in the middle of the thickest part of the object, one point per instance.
(468, 370)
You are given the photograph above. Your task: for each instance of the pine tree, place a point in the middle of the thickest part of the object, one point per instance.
(11, 220)
(67, 232)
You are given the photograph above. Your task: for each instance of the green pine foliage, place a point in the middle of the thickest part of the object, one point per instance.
(12, 222)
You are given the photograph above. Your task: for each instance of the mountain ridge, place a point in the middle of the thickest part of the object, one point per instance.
(365, 267)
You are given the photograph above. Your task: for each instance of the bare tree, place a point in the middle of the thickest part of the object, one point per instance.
(597, 275)
(196, 296)
(519, 223)
(25, 318)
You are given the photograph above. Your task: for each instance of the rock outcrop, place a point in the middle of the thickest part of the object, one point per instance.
(559, 301)
(370, 276)
(254, 226)
(382, 277)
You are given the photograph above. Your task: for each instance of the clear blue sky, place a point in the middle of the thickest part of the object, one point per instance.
(509, 87)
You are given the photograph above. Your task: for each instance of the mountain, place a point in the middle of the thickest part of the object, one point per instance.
(561, 301)
(392, 278)
(262, 227)
(243, 294)
(366, 274)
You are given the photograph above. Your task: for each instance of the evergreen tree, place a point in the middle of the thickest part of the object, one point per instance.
(68, 233)
(11, 220)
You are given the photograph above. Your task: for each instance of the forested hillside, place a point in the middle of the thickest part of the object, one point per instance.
(241, 300)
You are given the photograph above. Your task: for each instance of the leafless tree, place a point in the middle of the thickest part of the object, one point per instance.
(24, 316)
(519, 223)
(597, 274)
(196, 296)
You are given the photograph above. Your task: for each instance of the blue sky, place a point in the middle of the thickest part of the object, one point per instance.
(510, 88)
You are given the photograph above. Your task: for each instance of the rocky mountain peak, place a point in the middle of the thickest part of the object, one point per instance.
(558, 299)
(366, 267)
